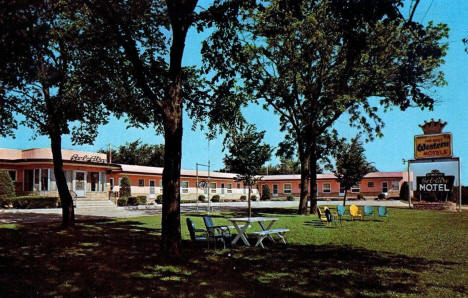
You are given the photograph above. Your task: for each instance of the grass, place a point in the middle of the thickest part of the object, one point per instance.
(410, 253)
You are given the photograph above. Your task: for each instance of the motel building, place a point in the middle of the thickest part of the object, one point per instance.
(91, 177)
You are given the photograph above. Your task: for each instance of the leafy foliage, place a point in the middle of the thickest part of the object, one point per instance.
(125, 188)
(136, 153)
(7, 189)
(246, 153)
(266, 193)
(350, 164)
(313, 62)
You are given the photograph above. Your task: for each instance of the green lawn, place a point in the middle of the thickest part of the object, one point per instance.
(410, 253)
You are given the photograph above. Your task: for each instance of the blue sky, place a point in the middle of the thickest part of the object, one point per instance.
(387, 152)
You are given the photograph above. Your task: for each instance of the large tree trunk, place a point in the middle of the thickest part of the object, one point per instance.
(344, 198)
(181, 16)
(305, 160)
(66, 200)
(313, 177)
(171, 237)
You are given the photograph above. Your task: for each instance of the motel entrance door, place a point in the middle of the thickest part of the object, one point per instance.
(79, 183)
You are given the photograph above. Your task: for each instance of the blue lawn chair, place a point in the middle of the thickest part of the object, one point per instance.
(383, 211)
(369, 211)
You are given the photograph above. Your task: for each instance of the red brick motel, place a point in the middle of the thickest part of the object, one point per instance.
(90, 176)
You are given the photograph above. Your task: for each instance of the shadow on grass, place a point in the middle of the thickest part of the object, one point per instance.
(109, 258)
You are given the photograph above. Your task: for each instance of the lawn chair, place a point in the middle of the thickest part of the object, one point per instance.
(203, 235)
(217, 232)
(382, 211)
(341, 212)
(354, 212)
(369, 211)
(326, 216)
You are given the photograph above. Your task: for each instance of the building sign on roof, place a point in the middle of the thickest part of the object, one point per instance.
(435, 181)
(433, 146)
(86, 158)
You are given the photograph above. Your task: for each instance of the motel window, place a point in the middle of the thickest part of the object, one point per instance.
(185, 186)
(326, 188)
(395, 185)
(12, 174)
(94, 177)
(229, 188)
(120, 181)
(384, 187)
(213, 187)
(287, 188)
(141, 182)
(370, 184)
(355, 188)
(342, 189)
(111, 182)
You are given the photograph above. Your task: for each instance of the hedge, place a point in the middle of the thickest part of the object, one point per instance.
(30, 202)
(122, 202)
(215, 198)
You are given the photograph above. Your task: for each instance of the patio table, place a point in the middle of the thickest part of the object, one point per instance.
(247, 221)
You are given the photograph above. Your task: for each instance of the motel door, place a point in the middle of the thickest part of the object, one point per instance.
(275, 190)
(80, 183)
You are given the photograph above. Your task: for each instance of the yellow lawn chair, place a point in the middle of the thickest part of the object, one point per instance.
(355, 212)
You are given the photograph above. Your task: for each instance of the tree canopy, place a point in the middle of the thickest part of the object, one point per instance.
(313, 62)
(137, 153)
(41, 78)
(350, 164)
(246, 154)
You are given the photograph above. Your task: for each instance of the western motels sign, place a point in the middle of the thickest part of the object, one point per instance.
(433, 146)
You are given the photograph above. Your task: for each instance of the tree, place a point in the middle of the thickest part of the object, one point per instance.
(138, 47)
(350, 165)
(41, 79)
(246, 155)
(125, 188)
(7, 189)
(313, 62)
(136, 153)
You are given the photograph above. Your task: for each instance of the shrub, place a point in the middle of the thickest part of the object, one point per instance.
(122, 202)
(159, 199)
(30, 202)
(290, 198)
(215, 198)
(404, 191)
(201, 198)
(266, 193)
(132, 201)
(7, 189)
(360, 197)
(381, 196)
(243, 198)
(141, 200)
(253, 197)
(125, 189)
